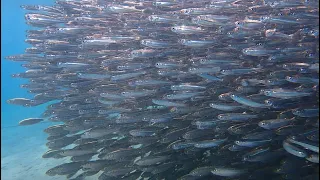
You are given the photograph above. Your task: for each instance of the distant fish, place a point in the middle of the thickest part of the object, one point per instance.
(30, 121)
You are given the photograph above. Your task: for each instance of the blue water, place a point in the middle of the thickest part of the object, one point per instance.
(21, 147)
(13, 34)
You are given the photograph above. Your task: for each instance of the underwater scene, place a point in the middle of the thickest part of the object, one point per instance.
(160, 90)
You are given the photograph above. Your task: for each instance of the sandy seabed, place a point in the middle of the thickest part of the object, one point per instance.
(21, 157)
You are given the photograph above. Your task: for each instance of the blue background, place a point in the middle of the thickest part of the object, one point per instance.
(13, 35)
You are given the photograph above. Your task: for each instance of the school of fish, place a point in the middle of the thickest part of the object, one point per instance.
(145, 89)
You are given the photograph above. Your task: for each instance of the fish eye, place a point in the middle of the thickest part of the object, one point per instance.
(182, 41)
(303, 70)
(263, 18)
(271, 58)
(173, 28)
(252, 9)
(27, 105)
(267, 93)
(271, 81)
(268, 102)
(150, 18)
(310, 55)
(101, 111)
